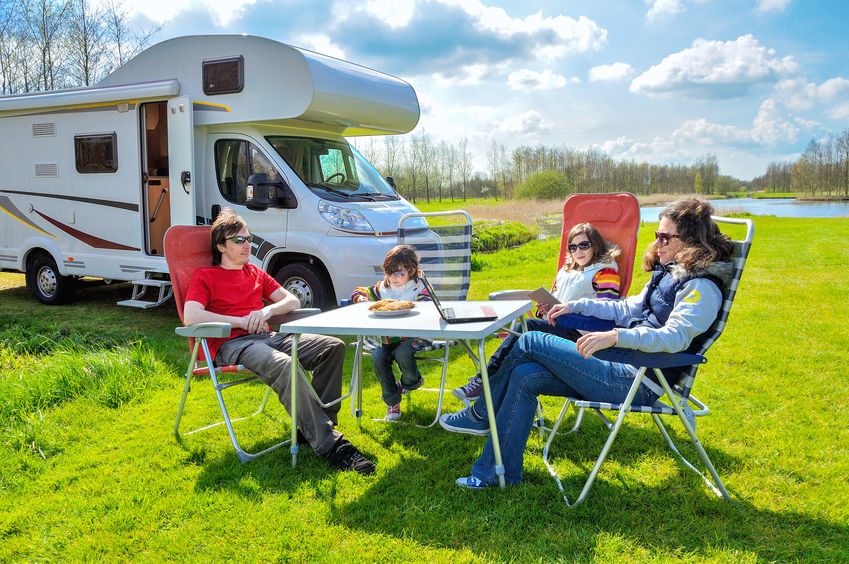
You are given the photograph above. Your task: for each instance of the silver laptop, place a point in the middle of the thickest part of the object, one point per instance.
(462, 314)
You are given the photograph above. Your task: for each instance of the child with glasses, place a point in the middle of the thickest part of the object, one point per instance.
(590, 271)
(401, 282)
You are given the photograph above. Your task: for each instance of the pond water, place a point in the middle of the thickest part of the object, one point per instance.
(779, 207)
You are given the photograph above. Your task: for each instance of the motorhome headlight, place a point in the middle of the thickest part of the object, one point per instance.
(343, 218)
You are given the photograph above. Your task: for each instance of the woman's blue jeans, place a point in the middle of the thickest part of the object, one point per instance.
(544, 364)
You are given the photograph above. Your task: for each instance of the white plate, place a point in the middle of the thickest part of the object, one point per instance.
(395, 313)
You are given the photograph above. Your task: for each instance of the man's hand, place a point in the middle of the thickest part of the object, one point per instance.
(257, 321)
(592, 342)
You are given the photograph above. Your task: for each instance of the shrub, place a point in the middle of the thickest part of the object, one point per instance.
(545, 185)
(491, 236)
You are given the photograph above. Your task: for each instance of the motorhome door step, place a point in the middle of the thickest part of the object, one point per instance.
(139, 288)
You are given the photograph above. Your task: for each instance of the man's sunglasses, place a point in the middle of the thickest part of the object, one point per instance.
(583, 245)
(241, 240)
(663, 238)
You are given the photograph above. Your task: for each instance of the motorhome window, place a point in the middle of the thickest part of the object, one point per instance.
(96, 153)
(235, 161)
(223, 76)
(332, 168)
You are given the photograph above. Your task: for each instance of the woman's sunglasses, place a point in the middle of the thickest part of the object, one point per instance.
(583, 245)
(240, 240)
(663, 238)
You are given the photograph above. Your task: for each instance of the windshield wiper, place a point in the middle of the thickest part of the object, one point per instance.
(332, 190)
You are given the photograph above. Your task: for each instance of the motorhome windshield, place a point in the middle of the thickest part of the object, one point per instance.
(333, 168)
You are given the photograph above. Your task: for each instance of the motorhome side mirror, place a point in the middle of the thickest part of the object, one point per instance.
(391, 182)
(258, 192)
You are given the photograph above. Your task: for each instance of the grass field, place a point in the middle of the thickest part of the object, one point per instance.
(89, 469)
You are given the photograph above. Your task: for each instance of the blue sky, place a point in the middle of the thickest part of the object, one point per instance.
(663, 81)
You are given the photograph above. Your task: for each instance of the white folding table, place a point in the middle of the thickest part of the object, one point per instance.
(423, 321)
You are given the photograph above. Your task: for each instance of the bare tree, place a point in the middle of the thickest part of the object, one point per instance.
(88, 57)
(124, 42)
(44, 21)
(464, 161)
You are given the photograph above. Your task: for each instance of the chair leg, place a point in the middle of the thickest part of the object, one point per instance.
(717, 486)
(623, 411)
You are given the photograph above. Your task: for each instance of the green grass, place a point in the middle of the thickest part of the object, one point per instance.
(89, 469)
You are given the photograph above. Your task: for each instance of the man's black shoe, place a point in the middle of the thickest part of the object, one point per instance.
(345, 456)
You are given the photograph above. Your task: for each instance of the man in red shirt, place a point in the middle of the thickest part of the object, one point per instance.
(236, 292)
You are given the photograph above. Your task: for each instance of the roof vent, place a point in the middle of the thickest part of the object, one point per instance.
(44, 130)
(47, 169)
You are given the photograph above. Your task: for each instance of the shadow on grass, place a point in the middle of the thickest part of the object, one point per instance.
(417, 499)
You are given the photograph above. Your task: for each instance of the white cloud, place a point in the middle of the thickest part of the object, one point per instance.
(714, 69)
(527, 123)
(160, 11)
(468, 75)
(798, 94)
(702, 132)
(770, 128)
(610, 73)
(663, 8)
(840, 111)
(765, 6)
(396, 13)
(531, 80)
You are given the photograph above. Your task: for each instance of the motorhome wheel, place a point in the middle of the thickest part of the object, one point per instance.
(305, 282)
(45, 282)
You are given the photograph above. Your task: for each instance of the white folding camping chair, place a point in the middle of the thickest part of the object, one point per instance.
(443, 241)
(678, 397)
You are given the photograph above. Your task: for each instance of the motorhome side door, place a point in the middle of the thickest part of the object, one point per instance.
(181, 173)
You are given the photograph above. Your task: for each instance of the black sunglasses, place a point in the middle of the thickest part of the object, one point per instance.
(583, 245)
(241, 240)
(663, 238)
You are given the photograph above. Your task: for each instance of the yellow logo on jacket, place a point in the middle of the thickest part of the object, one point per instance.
(693, 297)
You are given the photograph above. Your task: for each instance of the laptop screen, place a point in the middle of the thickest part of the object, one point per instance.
(432, 293)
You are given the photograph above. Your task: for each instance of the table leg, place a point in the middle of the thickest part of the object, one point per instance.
(359, 364)
(493, 431)
(293, 409)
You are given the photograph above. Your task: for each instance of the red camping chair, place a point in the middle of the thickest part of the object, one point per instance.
(187, 248)
(617, 217)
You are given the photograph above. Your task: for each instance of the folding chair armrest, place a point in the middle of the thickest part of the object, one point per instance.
(293, 315)
(509, 295)
(205, 330)
(584, 322)
(649, 360)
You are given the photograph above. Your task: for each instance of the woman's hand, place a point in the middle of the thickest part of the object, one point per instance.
(542, 310)
(596, 341)
(556, 311)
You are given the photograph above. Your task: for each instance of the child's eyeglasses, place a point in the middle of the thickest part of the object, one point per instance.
(583, 245)
(397, 273)
(663, 238)
(240, 240)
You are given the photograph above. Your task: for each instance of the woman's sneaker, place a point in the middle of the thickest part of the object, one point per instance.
(393, 412)
(471, 483)
(470, 391)
(464, 422)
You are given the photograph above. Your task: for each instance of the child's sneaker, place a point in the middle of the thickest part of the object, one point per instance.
(470, 391)
(393, 412)
(419, 345)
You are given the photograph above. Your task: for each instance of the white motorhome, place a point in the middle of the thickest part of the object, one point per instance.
(91, 178)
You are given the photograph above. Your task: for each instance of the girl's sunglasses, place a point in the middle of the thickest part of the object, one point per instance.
(583, 245)
(663, 238)
(397, 273)
(240, 240)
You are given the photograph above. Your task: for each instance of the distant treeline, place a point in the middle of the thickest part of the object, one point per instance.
(52, 44)
(425, 170)
(822, 170)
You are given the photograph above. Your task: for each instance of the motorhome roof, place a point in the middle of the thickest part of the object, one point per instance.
(282, 84)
